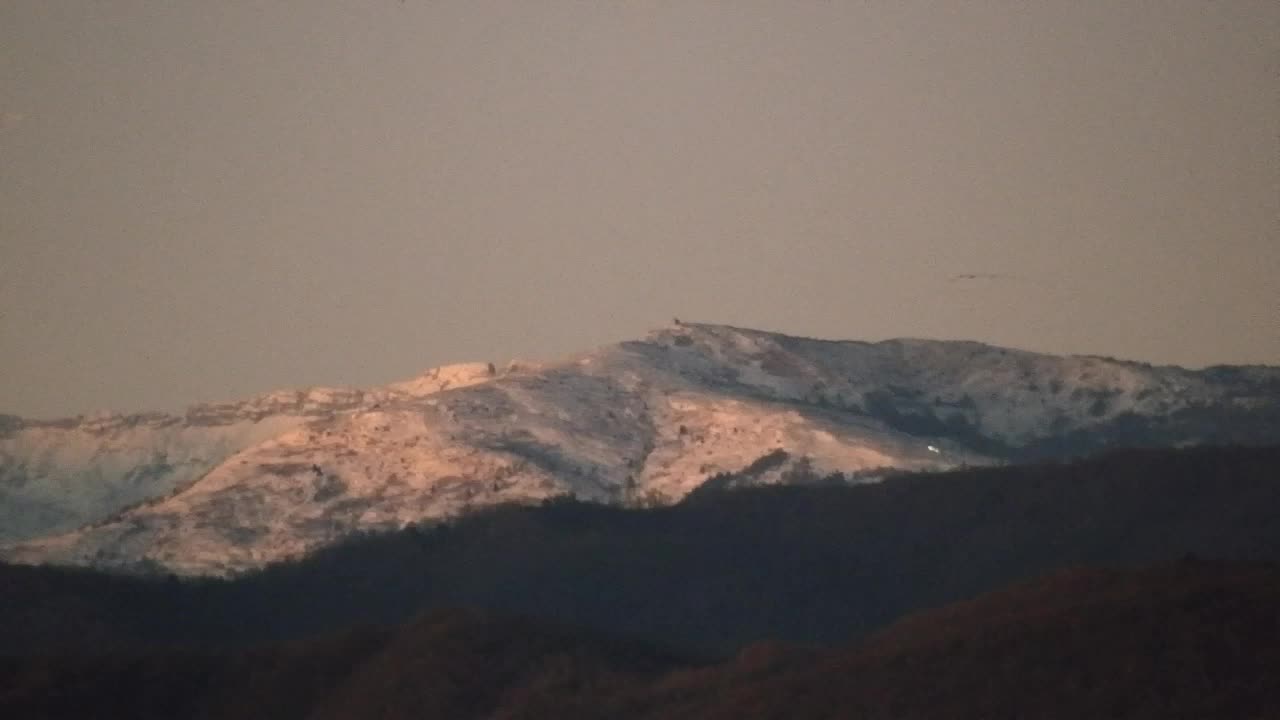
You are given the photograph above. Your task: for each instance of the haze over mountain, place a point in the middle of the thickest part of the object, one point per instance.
(235, 486)
(340, 194)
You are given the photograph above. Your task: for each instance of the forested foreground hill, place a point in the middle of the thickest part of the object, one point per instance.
(1192, 640)
(806, 564)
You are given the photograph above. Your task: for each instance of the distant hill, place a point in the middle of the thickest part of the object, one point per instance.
(1193, 640)
(231, 487)
(1196, 640)
(447, 664)
(815, 564)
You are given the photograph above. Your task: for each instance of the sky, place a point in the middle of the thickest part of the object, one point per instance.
(204, 200)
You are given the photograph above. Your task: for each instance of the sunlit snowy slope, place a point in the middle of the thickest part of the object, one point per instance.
(638, 422)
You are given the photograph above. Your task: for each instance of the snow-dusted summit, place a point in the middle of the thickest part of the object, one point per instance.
(237, 486)
(58, 475)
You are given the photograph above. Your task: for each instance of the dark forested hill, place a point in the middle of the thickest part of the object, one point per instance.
(1191, 640)
(816, 564)
(1194, 640)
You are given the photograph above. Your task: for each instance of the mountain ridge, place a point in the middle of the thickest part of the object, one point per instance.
(642, 421)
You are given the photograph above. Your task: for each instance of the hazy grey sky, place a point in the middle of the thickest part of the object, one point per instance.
(201, 200)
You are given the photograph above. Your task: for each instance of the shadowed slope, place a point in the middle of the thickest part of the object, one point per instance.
(446, 664)
(803, 564)
(1196, 640)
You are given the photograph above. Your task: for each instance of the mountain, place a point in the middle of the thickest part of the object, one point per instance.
(643, 422)
(816, 564)
(1191, 640)
(57, 475)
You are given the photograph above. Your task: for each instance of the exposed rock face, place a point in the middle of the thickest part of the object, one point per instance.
(236, 486)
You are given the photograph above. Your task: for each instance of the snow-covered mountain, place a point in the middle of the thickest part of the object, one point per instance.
(57, 475)
(644, 421)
